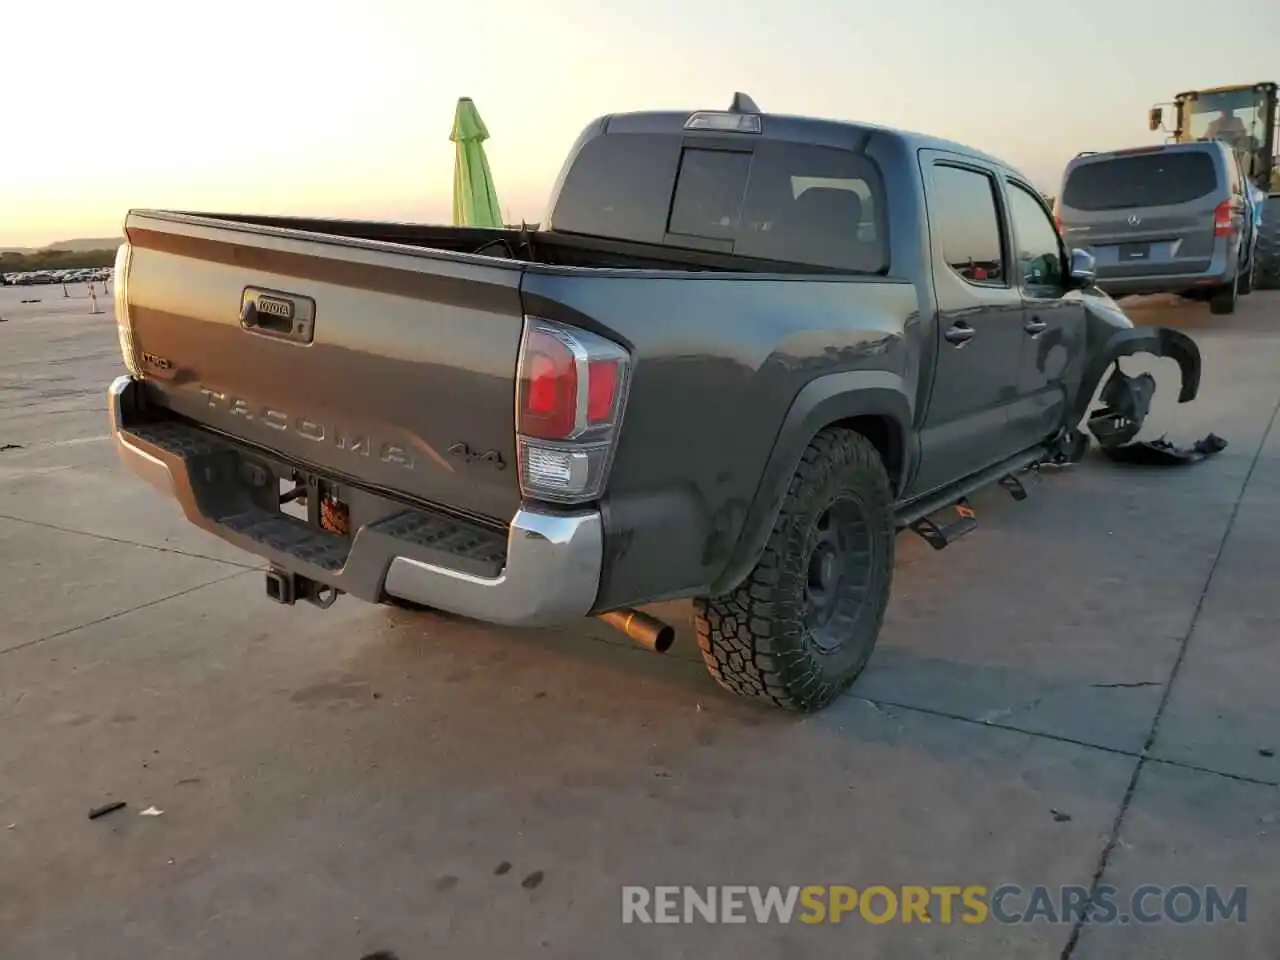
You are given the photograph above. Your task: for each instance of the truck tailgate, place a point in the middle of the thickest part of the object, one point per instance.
(376, 362)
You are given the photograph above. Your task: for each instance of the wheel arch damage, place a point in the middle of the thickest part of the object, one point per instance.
(1125, 399)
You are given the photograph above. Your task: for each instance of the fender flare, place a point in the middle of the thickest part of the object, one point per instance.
(1158, 341)
(823, 401)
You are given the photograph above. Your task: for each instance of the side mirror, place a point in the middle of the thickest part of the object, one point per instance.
(1155, 119)
(1084, 270)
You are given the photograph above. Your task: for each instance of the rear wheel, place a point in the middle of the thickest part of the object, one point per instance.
(1224, 299)
(1267, 255)
(801, 627)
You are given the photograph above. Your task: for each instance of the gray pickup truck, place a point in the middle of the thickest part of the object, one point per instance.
(741, 355)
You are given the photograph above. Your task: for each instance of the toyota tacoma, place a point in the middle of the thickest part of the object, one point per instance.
(741, 354)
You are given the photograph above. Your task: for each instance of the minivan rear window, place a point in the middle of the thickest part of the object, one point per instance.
(1143, 180)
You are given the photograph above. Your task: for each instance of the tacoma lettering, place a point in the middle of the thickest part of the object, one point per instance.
(359, 445)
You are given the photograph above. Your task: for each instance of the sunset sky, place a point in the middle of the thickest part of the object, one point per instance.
(344, 109)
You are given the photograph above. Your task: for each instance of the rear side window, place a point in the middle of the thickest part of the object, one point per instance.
(1143, 180)
(964, 217)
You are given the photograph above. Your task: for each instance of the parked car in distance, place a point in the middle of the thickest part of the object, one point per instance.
(745, 351)
(1172, 218)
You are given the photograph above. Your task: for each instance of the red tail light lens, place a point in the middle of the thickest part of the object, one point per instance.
(1223, 224)
(571, 390)
(548, 387)
(602, 390)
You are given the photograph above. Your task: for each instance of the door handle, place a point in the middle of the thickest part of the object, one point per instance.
(1035, 326)
(959, 333)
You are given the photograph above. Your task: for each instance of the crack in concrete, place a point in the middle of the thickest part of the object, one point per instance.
(1059, 738)
(130, 543)
(121, 613)
(1114, 837)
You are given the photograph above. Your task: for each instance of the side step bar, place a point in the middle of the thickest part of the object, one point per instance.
(921, 516)
(939, 534)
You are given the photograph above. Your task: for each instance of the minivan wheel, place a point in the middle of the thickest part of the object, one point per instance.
(801, 627)
(1224, 299)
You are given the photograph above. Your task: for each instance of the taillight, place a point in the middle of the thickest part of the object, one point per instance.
(1223, 223)
(570, 392)
(120, 303)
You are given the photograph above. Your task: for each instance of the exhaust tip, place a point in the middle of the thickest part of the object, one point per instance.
(649, 632)
(664, 638)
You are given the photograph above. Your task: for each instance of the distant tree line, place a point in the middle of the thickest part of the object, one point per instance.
(56, 260)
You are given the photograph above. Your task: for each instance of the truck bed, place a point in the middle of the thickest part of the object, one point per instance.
(524, 245)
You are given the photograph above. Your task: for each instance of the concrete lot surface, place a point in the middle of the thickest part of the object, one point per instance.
(1083, 690)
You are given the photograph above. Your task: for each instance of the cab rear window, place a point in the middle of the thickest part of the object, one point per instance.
(1142, 180)
(772, 200)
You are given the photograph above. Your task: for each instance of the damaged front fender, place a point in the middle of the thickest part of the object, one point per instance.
(1126, 400)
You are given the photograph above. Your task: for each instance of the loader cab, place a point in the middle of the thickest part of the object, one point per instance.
(1243, 117)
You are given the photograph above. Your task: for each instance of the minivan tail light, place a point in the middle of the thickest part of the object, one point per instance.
(1224, 224)
(570, 393)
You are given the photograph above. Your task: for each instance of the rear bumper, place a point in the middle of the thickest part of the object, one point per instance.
(1178, 283)
(549, 571)
(1122, 280)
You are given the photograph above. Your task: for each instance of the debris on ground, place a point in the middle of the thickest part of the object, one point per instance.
(106, 808)
(1126, 402)
(532, 880)
(1162, 453)
(10, 446)
(150, 812)
(1266, 752)
(1059, 816)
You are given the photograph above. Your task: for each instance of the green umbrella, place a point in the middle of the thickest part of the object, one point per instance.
(475, 201)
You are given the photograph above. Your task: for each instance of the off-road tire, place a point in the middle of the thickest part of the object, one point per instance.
(1266, 273)
(756, 640)
(1224, 299)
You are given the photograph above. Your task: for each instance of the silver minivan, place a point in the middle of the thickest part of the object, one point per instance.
(1172, 218)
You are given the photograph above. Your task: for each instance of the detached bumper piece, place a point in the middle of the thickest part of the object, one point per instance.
(1125, 403)
(1162, 453)
(1126, 400)
(544, 569)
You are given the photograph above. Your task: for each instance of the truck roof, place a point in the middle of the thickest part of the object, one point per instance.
(842, 134)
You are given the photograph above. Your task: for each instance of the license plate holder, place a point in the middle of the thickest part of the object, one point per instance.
(1130, 252)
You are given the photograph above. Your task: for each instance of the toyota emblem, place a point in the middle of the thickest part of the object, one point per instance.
(1134, 219)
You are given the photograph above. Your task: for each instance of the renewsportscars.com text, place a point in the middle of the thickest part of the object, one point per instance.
(974, 904)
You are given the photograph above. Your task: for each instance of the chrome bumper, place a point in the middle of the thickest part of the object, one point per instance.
(551, 573)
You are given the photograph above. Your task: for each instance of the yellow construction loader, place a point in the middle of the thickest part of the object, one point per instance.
(1246, 118)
